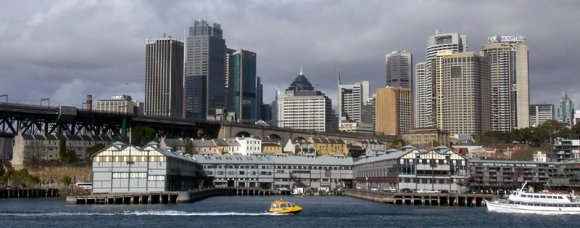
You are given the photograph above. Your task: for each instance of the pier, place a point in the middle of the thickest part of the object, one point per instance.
(28, 193)
(169, 197)
(425, 199)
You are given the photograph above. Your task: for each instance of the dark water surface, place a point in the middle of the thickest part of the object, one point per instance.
(250, 212)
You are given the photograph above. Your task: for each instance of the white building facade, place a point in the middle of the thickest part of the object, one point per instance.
(249, 146)
(122, 168)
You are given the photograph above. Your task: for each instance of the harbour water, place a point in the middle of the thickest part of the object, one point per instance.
(250, 211)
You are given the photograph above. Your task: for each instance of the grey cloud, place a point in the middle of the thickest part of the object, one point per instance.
(94, 46)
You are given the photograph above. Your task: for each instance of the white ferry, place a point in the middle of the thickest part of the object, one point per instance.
(547, 203)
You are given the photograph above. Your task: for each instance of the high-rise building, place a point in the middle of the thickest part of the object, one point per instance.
(119, 104)
(351, 99)
(259, 97)
(242, 89)
(438, 42)
(423, 101)
(399, 69)
(540, 113)
(302, 107)
(509, 95)
(164, 78)
(566, 109)
(204, 70)
(461, 100)
(393, 110)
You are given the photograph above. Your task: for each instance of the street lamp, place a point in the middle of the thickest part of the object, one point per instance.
(5, 96)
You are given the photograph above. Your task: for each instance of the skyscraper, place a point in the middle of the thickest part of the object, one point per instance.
(204, 70)
(351, 99)
(164, 77)
(508, 60)
(540, 113)
(393, 110)
(438, 42)
(302, 107)
(566, 109)
(461, 100)
(399, 69)
(242, 89)
(259, 98)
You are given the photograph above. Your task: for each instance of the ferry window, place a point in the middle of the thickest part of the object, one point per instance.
(559, 197)
(536, 196)
(543, 197)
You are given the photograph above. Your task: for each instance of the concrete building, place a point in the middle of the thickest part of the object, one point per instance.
(509, 93)
(119, 104)
(409, 169)
(566, 176)
(5, 148)
(34, 149)
(204, 82)
(540, 113)
(164, 78)
(494, 176)
(454, 42)
(566, 110)
(122, 168)
(351, 99)
(301, 107)
(566, 149)
(278, 171)
(426, 137)
(249, 145)
(461, 98)
(393, 110)
(399, 69)
(242, 86)
(540, 157)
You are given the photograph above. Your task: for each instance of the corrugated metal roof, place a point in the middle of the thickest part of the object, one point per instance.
(271, 159)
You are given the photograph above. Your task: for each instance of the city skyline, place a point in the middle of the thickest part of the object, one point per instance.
(41, 42)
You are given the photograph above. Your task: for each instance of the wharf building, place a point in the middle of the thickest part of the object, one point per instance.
(351, 100)
(164, 78)
(566, 176)
(509, 93)
(540, 113)
(243, 91)
(410, 169)
(278, 171)
(393, 110)
(424, 74)
(566, 110)
(461, 98)
(566, 149)
(399, 70)
(502, 175)
(204, 81)
(126, 168)
(34, 149)
(120, 104)
(301, 107)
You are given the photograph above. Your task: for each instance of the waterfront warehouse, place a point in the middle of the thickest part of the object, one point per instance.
(410, 169)
(126, 168)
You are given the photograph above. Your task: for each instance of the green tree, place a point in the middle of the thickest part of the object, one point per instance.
(66, 180)
(188, 146)
(142, 135)
(94, 149)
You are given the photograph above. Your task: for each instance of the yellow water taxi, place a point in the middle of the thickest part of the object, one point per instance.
(284, 207)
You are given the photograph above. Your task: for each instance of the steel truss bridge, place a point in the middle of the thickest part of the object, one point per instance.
(32, 119)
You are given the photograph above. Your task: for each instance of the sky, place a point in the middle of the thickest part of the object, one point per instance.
(66, 49)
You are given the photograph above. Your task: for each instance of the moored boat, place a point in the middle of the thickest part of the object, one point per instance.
(547, 203)
(284, 207)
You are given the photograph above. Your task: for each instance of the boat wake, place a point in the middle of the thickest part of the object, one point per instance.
(134, 213)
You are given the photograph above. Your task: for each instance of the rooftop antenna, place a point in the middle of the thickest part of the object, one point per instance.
(436, 31)
(301, 71)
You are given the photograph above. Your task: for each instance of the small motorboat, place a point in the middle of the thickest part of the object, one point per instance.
(284, 207)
